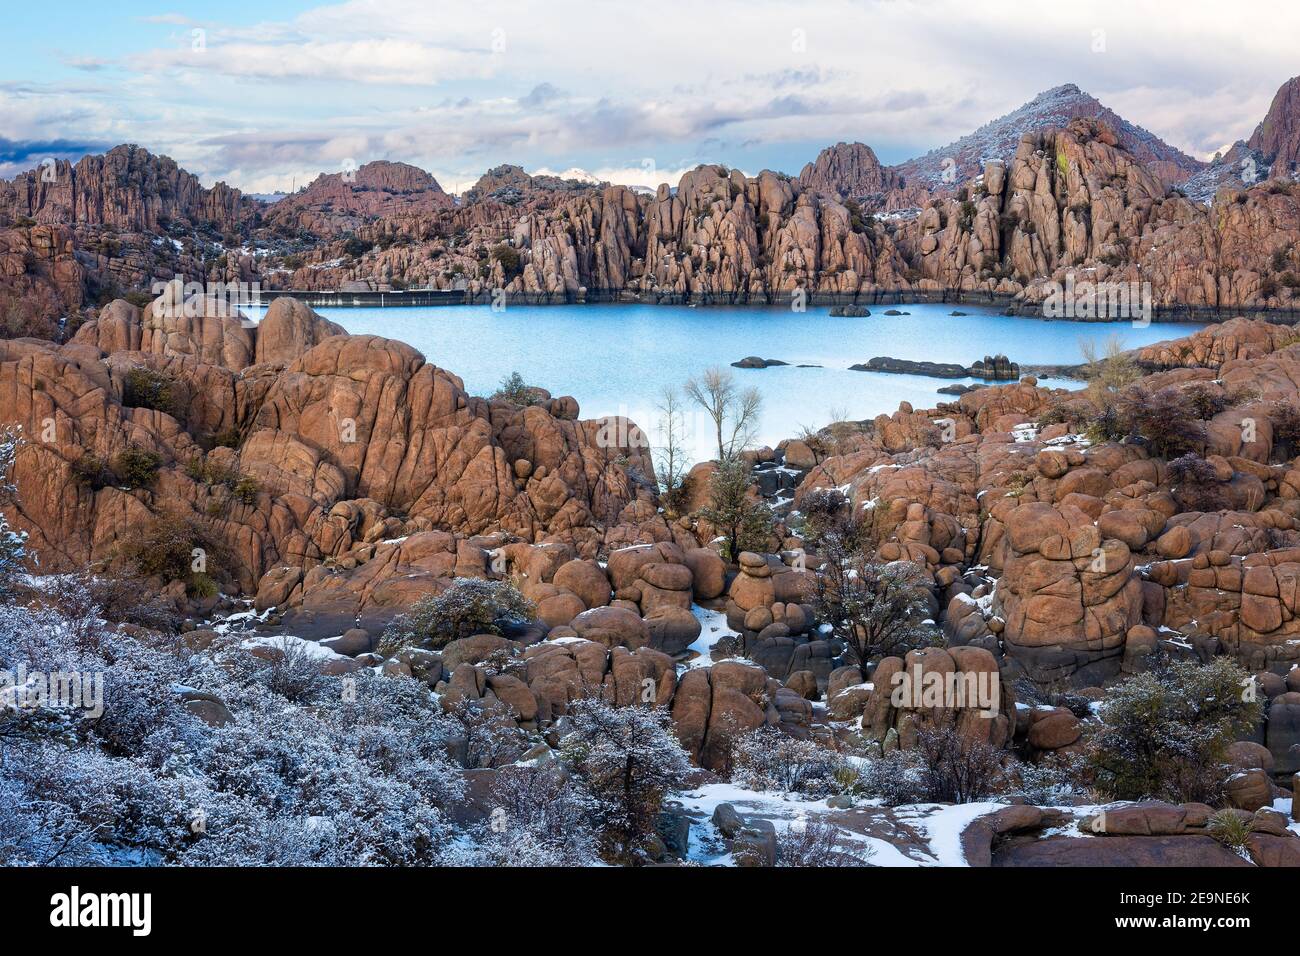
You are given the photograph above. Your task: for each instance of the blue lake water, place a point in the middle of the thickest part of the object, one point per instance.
(616, 358)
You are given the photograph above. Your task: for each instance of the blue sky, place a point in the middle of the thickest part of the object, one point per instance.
(265, 95)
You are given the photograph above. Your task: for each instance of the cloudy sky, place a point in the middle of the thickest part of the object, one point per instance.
(265, 95)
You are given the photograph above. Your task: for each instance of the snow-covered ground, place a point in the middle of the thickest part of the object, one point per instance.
(923, 834)
(713, 628)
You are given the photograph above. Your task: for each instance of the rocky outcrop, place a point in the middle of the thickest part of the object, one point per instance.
(850, 171)
(1149, 833)
(127, 188)
(336, 203)
(40, 277)
(1088, 553)
(345, 440)
(1213, 347)
(1278, 135)
(965, 159)
(995, 368)
(1062, 189)
(1073, 206)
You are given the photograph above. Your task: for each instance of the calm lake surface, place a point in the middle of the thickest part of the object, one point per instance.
(615, 359)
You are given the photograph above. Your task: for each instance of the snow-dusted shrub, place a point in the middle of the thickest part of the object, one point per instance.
(36, 831)
(13, 544)
(115, 803)
(488, 733)
(875, 609)
(540, 817)
(242, 835)
(469, 606)
(816, 844)
(293, 671)
(121, 597)
(767, 759)
(361, 777)
(1166, 732)
(894, 779)
(628, 758)
(944, 766)
(1049, 782)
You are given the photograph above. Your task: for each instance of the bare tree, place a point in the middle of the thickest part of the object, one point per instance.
(733, 410)
(1108, 373)
(671, 456)
(875, 609)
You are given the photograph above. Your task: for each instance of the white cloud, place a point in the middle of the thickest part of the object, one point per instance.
(460, 87)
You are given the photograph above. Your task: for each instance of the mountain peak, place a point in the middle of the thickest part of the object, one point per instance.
(1052, 108)
(1058, 92)
(1278, 136)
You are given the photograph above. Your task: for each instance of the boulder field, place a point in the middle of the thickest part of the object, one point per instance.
(368, 478)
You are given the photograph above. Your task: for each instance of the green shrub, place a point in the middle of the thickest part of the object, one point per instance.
(136, 467)
(147, 388)
(1285, 419)
(966, 220)
(1166, 732)
(174, 548)
(201, 585)
(245, 490)
(745, 521)
(469, 606)
(90, 470)
(508, 256)
(356, 248)
(227, 438)
(516, 391)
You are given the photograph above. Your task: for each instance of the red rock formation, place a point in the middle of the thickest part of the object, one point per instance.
(956, 164)
(848, 171)
(335, 203)
(127, 188)
(1278, 136)
(347, 439)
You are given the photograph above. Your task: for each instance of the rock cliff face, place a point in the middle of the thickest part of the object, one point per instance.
(1062, 199)
(71, 234)
(1062, 186)
(1073, 204)
(40, 277)
(127, 188)
(1278, 136)
(852, 171)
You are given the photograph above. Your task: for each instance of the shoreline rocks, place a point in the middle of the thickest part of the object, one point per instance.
(753, 361)
(991, 367)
